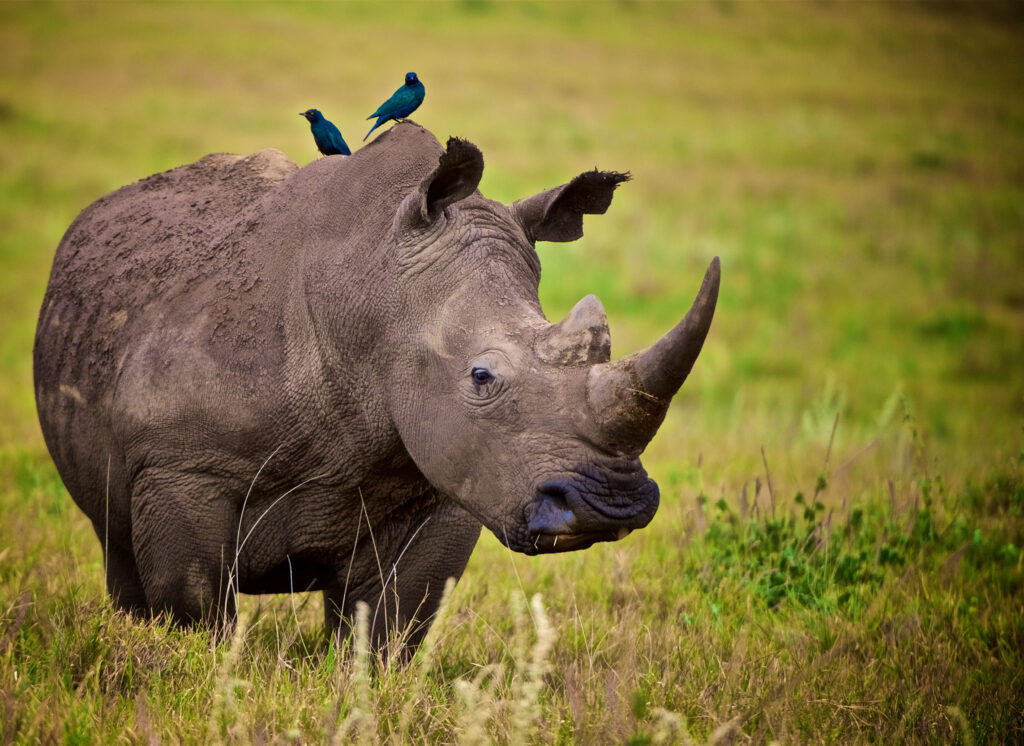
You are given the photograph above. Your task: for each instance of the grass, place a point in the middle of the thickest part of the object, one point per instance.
(837, 556)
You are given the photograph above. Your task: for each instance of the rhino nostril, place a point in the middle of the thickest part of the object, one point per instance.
(551, 512)
(554, 490)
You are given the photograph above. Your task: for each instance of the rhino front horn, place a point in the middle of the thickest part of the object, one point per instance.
(629, 398)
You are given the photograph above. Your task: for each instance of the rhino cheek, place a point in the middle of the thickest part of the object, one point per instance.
(451, 455)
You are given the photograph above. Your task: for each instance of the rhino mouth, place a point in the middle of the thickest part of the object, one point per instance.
(552, 543)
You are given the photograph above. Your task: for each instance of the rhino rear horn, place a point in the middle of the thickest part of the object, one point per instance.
(457, 176)
(580, 338)
(557, 214)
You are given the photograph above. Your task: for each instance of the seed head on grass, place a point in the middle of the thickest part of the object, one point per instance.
(224, 718)
(426, 657)
(360, 725)
(478, 705)
(526, 706)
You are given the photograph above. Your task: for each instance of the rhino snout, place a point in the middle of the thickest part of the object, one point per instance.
(575, 513)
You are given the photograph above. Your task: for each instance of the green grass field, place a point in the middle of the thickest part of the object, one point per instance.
(838, 553)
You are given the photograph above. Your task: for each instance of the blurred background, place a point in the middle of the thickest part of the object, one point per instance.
(859, 169)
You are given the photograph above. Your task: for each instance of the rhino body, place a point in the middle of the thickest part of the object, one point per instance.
(258, 378)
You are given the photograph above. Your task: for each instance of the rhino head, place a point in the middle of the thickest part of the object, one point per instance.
(528, 425)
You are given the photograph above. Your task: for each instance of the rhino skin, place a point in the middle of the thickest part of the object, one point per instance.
(258, 378)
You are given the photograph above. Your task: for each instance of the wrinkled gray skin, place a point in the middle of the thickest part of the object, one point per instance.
(258, 377)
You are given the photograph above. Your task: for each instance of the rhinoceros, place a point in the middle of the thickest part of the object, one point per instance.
(259, 378)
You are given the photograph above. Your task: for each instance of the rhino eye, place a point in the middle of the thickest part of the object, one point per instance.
(481, 376)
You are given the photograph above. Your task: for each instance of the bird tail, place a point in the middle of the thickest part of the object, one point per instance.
(375, 126)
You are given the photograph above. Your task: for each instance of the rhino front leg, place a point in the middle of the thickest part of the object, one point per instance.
(123, 582)
(415, 572)
(184, 544)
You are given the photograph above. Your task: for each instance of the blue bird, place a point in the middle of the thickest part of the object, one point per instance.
(326, 136)
(402, 103)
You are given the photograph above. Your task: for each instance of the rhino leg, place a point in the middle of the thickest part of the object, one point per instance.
(184, 547)
(123, 582)
(415, 571)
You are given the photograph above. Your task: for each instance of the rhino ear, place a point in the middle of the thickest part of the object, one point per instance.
(557, 214)
(456, 177)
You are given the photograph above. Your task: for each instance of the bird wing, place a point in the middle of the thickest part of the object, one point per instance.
(342, 146)
(336, 139)
(399, 99)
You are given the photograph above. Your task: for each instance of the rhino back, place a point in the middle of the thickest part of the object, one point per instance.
(128, 265)
(130, 256)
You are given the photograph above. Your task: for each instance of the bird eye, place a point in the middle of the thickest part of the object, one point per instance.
(481, 376)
